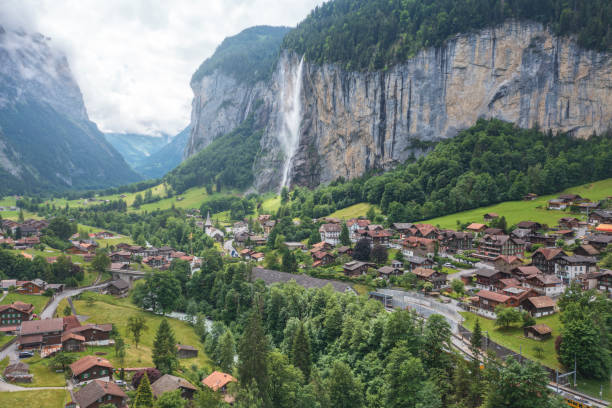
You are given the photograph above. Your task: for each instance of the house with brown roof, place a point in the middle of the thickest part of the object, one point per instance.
(437, 279)
(530, 225)
(94, 332)
(12, 315)
(72, 342)
(537, 332)
(539, 306)
(586, 250)
(98, 393)
(454, 241)
(35, 287)
(488, 217)
(506, 263)
(218, 382)
(488, 279)
(38, 333)
(118, 287)
(476, 227)
(486, 301)
(492, 246)
(545, 284)
(417, 246)
(387, 271)
(401, 227)
(186, 351)
(545, 259)
(568, 222)
(90, 368)
(322, 258)
(355, 268)
(168, 383)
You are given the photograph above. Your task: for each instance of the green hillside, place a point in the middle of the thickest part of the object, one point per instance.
(517, 211)
(375, 34)
(248, 56)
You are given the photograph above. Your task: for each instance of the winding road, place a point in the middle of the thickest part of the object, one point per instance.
(12, 351)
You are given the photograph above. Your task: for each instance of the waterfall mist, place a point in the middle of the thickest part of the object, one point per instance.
(291, 115)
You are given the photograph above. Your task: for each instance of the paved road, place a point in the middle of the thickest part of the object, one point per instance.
(6, 387)
(228, 246)
(50, 310)
(12, 352)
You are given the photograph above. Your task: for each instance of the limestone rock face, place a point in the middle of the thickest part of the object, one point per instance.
(352, 122)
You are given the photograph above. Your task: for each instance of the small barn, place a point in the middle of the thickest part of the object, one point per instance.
(185, 351)
(538, 332)
(18, 372)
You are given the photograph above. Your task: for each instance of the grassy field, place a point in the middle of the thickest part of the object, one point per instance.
(38, 301)
(517, 211)
(354, 211)
(38, 399)
(5, 339)
(271, 204)
(44, 375)
(513, 338)
(107, 309)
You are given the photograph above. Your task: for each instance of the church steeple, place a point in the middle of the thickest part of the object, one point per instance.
(208, 223)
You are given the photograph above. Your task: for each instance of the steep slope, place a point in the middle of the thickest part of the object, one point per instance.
(135, 147)
(227, 84)
(47, 141)
(166, 158)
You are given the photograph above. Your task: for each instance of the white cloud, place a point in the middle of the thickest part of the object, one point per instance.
(133, 59)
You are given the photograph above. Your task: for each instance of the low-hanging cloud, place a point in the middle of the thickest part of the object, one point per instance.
(133, 59)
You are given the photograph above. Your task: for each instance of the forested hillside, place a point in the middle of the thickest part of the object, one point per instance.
(493, 161)
(249, 55)
(226, 162)
(374, 34)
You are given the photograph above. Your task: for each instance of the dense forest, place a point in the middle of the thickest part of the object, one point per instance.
(491, 162)
(226, 162)
(374, 34)
(319, 348)
(248, 56)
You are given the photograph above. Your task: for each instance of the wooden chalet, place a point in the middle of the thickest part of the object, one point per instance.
(356, 268)
(169, 383)
(539, 306)
(437, 279)
(186, 351)
(90, 368)
(98, 393)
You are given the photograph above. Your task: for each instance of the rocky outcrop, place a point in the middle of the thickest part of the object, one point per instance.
(356, 121)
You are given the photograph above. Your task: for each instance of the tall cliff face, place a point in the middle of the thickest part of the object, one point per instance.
(351, 122)
(46, 138)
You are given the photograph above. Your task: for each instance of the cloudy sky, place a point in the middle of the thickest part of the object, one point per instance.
(133, 59)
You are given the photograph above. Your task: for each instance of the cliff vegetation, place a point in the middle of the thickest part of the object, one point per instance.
(375, 34)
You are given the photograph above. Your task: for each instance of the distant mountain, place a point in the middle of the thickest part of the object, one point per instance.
(165, 159)
(136, 147)
(47, 141)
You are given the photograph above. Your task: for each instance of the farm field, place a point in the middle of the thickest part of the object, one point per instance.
(107, 309)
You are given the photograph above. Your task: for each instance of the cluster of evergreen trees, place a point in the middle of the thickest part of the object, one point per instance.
(319, 348)
(375, 34)
(490, 162)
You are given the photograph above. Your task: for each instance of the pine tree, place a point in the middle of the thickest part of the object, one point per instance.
(300, 353)
(164, 349)
(144, 395)
(253, 355)
(226, 351)
(476, 339)
(344, 235)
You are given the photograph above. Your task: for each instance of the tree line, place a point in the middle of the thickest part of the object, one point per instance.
(376, 34)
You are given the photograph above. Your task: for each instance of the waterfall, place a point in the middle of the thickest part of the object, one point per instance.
(291, 115)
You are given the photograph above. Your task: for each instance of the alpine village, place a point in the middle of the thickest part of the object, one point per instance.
(403, 204)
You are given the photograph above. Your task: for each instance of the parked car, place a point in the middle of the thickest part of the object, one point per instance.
(121, 383)
(26, 354)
